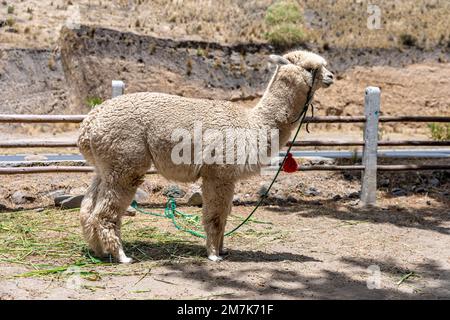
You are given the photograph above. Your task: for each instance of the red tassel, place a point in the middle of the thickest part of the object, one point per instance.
(290, 165)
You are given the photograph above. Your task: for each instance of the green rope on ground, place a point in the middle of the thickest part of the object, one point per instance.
(171, 212)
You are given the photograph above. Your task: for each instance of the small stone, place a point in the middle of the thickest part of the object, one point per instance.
(434, 182)
(262, 190)
(236, 199)
(72, 202)
(384, 183)
(312, 192)
(194, 196)
(354, 195)
(56, 193)
(174, 191)
(337, 197)
(291, 198)
(399, 192)
(420, 190)
(130, 212)
(141, 196)
(347, 176)
(20, 197)
(39, 209)
(59, 199)
(12, 30)
(195, 199)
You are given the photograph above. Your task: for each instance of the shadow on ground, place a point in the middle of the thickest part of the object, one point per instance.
(425, 218)
(292, 275)
(146, 251)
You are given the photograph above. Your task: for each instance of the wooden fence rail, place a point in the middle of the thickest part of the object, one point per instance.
(80, 169)
(371, 120)
(34, 118)
(306, 143)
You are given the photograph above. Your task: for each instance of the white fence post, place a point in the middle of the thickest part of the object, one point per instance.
(118, 88)
(369, 178)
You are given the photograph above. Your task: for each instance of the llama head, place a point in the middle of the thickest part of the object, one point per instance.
(300, 66)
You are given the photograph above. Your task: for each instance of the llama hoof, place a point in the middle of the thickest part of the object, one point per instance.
(214, 258)
(126, 260)
(130, 212)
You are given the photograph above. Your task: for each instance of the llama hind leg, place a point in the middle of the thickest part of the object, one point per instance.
(218, 197)
(111, 205)
(88, 219)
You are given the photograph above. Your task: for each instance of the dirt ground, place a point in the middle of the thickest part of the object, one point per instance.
(313, 248)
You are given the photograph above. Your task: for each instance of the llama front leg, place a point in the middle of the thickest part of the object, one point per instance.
(217, 198)
(222, 250)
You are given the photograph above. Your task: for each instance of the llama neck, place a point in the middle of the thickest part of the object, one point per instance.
(280, 106)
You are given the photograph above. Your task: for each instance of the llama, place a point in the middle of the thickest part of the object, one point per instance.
(124, 136)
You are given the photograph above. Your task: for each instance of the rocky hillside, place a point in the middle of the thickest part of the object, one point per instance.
(32, 81)
(92, 57)
(67, 80)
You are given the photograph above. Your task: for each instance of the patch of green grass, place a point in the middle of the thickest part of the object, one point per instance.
(49, 243)
(439, 132)
(94, 101)
(407, 276)
(282, 12)
(267, 234)
(284, 19)
(10, 22)
(200, 52)
(240, 219)
(285, 36)
(88, 274)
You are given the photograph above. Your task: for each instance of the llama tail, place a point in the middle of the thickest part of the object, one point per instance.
(84, 143)
(89, 222)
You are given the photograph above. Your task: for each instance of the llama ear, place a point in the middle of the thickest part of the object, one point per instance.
(278, 59)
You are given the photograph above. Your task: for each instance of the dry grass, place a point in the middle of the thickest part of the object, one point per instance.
(48, 243)
(342, 23)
